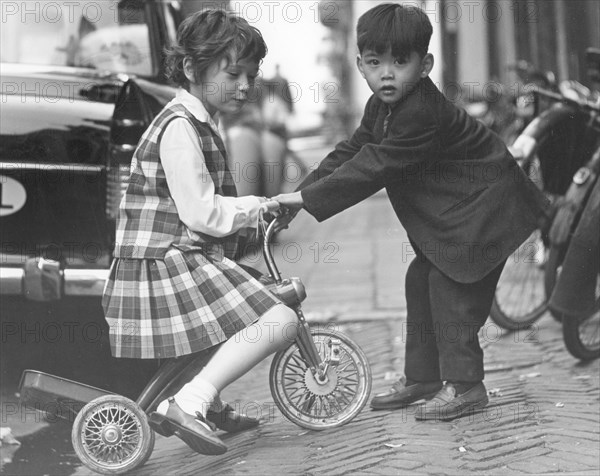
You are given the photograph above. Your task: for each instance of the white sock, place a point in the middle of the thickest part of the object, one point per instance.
(196, 396)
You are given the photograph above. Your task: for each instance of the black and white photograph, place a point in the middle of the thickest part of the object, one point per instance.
(299, 237)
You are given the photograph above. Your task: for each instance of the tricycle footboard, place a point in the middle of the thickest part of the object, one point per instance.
(55, 397)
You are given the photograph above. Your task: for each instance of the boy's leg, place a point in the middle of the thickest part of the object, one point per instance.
(459, 310)
(421, 357)
(422, 361)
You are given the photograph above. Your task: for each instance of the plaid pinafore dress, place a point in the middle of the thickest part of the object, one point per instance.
(167, 294)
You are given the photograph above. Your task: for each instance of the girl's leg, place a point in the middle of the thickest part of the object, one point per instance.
(276, 329)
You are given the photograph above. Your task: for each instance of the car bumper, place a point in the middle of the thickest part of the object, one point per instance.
(46, 280)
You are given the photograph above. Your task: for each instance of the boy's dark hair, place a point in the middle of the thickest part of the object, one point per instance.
(207, 37)
(403, 28)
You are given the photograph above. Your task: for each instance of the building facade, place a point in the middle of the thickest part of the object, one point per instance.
(478, 43)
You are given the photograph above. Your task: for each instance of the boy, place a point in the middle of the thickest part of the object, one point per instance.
(463, 200)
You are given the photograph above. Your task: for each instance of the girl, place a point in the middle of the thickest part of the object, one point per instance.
(173, 289)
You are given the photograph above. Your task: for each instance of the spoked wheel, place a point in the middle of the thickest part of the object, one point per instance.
(582, 335)
(520, 298)
(551, 274)
(319, 403)
(111, 435)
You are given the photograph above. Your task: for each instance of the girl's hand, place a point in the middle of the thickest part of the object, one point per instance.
(269, 206)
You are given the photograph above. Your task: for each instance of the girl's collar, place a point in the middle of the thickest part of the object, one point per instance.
(195, 106)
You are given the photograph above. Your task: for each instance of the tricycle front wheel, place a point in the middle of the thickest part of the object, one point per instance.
(329, 400)
(111, 435)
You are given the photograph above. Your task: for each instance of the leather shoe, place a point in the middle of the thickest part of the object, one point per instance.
(447, 405)
(231, 421)
(402, 395)
(196, 432)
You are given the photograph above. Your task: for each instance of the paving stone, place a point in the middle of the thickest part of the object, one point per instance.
(534, 468)
(520, 432)
(566, 465)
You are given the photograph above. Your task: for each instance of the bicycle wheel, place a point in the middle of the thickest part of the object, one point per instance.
(551, 273)
(111, 435)
(520, 298)
(582, 335)
(321, 404)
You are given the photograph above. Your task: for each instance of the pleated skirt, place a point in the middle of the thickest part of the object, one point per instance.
(185, 303)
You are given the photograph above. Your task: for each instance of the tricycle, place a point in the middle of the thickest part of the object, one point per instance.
(320, 381)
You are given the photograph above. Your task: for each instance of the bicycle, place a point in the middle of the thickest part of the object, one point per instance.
(571, 273)
(550, 149)
(569, 212)
(510, 110)
(321, 381)
(576, 295)
(573, 278)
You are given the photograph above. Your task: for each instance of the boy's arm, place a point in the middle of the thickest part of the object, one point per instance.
(346, 149)
(412, 139)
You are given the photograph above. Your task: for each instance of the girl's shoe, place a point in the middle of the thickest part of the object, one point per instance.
(231, 421)
(195, 432)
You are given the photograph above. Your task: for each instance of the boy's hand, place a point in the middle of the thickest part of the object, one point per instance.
(292, 203)
(293, 200)
(284, 220)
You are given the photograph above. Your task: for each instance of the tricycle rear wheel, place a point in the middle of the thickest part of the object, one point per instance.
(111, 435)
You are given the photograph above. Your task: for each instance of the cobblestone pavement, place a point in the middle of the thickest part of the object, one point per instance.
(543, 417)
(544, 411)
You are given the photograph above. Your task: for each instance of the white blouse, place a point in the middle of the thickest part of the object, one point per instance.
(190, 183)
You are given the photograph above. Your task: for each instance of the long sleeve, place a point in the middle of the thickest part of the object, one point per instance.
(413, 136)
(345, 150)
(193, 190)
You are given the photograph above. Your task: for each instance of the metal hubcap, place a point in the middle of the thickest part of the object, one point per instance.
(111, 434)
(321, 385)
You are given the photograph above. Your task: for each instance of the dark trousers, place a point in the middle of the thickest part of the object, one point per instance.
(443, 319)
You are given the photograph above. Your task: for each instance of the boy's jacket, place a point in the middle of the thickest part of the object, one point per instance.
(460, 195)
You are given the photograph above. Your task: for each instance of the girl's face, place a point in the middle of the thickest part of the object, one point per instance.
(225, 85)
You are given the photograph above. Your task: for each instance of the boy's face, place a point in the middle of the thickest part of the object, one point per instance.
(391, 78)
(225, 85)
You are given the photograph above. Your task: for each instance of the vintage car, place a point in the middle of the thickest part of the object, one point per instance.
(80, 83)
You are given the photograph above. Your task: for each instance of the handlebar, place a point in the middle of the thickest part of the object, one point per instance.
(269, 231)
(581, 102)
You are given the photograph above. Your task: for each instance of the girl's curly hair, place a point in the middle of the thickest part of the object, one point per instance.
(209, 36)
